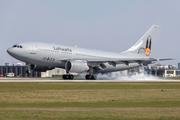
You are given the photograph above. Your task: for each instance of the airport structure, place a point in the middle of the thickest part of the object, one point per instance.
(53, 72)
(18, 71)
(163, 70)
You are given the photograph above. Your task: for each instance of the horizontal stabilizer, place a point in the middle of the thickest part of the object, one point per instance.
(166, 59)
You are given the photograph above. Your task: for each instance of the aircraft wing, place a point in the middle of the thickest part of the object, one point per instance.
(126, 61)
(115, 61)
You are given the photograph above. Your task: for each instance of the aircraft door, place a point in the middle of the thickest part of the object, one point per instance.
(32, 49)
(73, 55)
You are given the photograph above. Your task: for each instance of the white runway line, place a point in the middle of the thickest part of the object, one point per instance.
(21, 80)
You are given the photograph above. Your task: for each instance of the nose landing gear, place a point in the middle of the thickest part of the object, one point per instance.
(28, 71)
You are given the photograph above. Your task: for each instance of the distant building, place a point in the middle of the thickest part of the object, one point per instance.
(19, 71)
(178, 72)
(19, 64)
(7, 64)
(179, 66)
(54, 72)
(163, 70)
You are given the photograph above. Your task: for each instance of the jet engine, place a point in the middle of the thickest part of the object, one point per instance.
(77, 66)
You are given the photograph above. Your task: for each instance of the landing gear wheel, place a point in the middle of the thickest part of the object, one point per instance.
(91, 77)
(70, 77)
(88, 77)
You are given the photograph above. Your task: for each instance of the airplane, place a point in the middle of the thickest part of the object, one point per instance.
(43, 56)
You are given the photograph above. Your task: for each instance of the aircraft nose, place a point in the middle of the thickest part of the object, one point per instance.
(10, 51)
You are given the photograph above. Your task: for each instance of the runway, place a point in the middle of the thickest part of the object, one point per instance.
(30, 80)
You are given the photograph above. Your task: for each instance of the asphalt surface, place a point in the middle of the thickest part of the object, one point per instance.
(18, 80)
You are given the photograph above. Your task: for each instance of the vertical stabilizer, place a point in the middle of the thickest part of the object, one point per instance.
(145, 44)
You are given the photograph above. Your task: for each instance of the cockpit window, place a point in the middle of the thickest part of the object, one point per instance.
(15, 46)
(18, 46)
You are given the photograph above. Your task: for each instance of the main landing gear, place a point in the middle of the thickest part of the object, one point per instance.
(91, 77)
(91, 74)
(70, 77)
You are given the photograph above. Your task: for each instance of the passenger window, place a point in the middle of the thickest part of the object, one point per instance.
(20, 46)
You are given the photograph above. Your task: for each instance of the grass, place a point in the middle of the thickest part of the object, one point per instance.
(89, 101)
(173, 78)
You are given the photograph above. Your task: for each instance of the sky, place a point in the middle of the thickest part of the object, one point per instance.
(107, 25)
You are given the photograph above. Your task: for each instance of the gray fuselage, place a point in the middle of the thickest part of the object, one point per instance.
(52, 55)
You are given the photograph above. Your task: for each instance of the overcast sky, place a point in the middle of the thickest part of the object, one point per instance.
(110, 25)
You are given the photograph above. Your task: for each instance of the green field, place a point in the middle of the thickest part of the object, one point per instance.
(80, 101)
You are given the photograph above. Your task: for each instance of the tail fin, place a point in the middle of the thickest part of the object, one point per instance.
(144, 45)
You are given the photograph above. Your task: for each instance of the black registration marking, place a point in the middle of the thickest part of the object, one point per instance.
(48, 59)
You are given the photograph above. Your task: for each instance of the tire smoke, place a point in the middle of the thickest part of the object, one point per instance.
(120, 76)
(142, 75)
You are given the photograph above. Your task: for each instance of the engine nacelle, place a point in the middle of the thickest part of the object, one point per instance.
(77, 66)
(39, 68)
